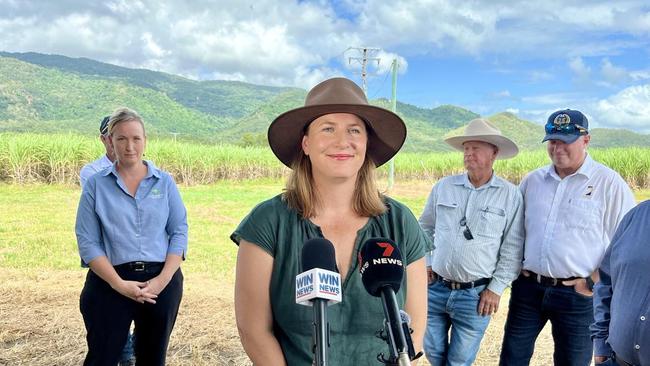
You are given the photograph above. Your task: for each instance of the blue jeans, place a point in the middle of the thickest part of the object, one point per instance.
(128, 352)
(531, 306)
(458, 310)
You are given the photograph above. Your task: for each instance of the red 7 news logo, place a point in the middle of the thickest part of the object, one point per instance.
(388, 249)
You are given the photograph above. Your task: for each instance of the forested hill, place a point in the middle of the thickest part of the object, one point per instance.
(52, 93)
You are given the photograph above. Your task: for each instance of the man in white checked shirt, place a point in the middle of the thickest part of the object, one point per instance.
(475, 220)
(573, 207)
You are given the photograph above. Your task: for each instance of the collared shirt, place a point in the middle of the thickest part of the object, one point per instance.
(281, 232)
(93, 168)
(570, 222)
(622, 297)
(494, 214)
(147, 227)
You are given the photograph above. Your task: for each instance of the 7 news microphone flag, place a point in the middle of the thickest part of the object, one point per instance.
(382, 271)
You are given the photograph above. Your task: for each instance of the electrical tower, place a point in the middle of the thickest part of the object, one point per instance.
(367, 54)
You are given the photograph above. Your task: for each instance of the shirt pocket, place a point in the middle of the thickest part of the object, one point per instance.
(446, 215)
(582, 214)
(492, 221)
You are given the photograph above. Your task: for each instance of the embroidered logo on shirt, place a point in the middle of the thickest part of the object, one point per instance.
(155, 193)
(589, 191)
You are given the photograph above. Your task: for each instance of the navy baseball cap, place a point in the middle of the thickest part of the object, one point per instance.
(103, 126)
(566, 125)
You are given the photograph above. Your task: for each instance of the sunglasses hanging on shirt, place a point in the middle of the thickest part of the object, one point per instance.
(467, 233)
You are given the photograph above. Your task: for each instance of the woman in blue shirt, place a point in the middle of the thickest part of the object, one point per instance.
(132, 232)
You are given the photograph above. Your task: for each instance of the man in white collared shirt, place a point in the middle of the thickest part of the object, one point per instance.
(475, 221)
(572, 209)
(102, 163)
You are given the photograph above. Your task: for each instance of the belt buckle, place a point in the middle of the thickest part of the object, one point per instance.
(138, 266)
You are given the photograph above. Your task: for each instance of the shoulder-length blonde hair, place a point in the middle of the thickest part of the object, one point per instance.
(300, 191)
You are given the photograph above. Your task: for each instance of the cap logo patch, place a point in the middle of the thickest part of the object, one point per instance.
(561, 120)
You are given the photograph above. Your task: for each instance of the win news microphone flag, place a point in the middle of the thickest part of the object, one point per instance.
(318, 285)
(382, 271)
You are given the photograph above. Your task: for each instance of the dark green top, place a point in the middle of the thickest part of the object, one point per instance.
(353, 323)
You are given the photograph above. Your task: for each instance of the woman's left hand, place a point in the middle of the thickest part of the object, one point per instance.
(155, 285)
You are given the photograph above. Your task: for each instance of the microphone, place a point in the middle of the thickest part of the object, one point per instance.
(406, 325)
(382, 271)
(318, 285)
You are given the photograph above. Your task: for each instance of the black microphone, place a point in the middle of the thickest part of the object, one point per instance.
(382, 271)
(317, 285)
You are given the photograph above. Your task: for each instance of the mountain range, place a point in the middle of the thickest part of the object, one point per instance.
(53, 94)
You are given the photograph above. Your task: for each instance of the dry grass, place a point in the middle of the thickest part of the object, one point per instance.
(41, 323)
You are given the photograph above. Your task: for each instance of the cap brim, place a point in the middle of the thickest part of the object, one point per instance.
(386, 139)
(566, 138)
(507, 148)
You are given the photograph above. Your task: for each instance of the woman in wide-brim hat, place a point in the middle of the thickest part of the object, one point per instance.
(333, 145)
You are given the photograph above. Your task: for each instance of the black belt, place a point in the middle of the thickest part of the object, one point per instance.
(453, 285)
(546, 281)
(141, 266)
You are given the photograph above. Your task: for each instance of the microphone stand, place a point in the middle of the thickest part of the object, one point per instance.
(320, 332)
(397, 340)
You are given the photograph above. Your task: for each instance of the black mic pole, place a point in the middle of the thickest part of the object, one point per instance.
(398, 339)
(321, 332)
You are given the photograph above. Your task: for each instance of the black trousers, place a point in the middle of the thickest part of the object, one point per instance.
(108, 315)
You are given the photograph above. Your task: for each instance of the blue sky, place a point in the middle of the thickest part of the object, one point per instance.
(529, 58)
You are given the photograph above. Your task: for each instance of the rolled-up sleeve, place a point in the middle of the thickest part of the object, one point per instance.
(427, 221)
(87, 227)
(512, 246)
(176, 222)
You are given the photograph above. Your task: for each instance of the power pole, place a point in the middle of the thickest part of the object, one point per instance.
(366, 55)
(391, 163)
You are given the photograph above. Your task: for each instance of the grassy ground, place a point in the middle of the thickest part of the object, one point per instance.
(40, 278)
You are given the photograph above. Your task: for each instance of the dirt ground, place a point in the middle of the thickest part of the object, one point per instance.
(40, 323)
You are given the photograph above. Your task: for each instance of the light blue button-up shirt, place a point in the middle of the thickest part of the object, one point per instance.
(147, 227)
(494, 214)
(93, 168)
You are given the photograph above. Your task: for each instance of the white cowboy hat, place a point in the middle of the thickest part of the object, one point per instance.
(482, 130)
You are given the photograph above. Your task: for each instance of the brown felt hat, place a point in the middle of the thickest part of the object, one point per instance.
(386, 134)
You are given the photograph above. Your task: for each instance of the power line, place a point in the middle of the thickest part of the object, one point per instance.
(367, 54)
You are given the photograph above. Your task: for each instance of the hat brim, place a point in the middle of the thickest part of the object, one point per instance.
(566, 138)
(507, 148)
(384, 141)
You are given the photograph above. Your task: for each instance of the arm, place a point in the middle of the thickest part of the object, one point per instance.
(155, 285)
(427, 222)
(253, 305)
(176, 226)
(416, 300)
(603, 292)
(602, 302)
(618, 204)
(509, 260)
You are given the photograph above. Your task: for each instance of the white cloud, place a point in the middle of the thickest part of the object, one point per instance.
(503, 94)
(512, 110)
(612, 74)
(629, 108)
(582, 71)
